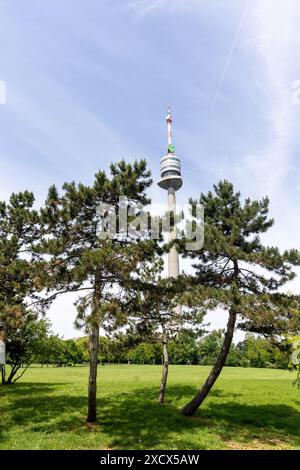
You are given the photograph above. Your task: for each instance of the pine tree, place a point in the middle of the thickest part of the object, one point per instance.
(81, 260)
(236, 272)
(157, 310)
(20, 266)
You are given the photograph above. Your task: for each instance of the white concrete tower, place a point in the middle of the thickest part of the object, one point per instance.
(170, 172)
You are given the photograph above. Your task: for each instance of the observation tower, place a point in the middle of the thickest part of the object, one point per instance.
(171, 181)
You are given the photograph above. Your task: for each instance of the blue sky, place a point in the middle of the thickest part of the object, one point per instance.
(89, 82)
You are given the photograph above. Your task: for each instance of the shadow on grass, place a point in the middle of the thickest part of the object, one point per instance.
(29, 388)
(266, 423)
(133, 420)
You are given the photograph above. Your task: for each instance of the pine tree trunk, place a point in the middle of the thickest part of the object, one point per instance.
(3, 339)
(94, 351)
(92, 391)
(3, 374)
(190, 408)
(165, 370)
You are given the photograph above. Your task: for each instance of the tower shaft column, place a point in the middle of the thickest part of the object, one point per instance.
(173, 259)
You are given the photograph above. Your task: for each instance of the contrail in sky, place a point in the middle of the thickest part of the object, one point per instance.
(236, 37)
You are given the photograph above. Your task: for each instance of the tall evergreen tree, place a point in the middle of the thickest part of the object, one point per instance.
(236, 272)
(81, 260)
(20, 266)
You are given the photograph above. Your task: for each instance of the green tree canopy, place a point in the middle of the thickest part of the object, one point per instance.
(24, 345)
(19, 267)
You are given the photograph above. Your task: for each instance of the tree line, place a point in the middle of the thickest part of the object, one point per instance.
(35, 344)
(56, 249)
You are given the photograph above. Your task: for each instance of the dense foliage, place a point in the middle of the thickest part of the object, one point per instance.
(24, 346)
(187, 348)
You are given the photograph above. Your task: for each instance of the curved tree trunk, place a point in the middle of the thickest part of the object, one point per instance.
(92, 391)
(165, 370)
(190, 408)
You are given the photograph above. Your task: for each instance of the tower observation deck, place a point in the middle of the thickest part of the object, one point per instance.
(170, 166)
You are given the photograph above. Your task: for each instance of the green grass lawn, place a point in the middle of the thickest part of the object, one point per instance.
(247, 409)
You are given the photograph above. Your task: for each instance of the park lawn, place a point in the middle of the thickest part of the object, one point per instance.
(247, 409)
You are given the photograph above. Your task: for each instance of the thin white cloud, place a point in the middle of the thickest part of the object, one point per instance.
(276, 42)
(143, 7)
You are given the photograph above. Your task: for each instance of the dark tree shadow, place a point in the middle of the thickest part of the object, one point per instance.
(134, 420)
(279, 420)
(30, 388)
